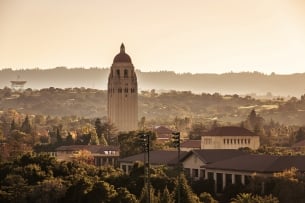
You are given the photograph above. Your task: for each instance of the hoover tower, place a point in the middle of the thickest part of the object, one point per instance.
(123, 93)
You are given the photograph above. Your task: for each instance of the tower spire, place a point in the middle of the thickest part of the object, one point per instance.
(122, 48)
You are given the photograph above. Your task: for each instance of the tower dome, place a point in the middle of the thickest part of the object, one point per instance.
(122, 57)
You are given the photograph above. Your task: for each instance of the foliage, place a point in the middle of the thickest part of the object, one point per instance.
(207, 198)
(40, 178)
(250, 198)
(186, 193)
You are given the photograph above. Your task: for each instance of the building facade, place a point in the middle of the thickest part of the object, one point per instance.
(229, 137)
(123, 93)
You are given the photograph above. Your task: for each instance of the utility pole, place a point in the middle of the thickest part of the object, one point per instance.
(176, 143)
(146, 146)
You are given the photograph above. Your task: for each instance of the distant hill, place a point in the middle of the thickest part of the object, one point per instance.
(227, 83)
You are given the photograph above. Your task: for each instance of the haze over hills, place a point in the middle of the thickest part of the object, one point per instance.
(227, 83)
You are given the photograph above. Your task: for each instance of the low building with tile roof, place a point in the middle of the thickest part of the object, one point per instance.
(157, 158)
(229, 137)
(195, 159)
(241, 168)
(163, 133)
(97, 154)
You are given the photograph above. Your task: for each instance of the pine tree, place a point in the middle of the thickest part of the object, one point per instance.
(103, 141)
(26, 126)
(98, 127)
(13, 125)
(94, 139)
(69, 139)
(166, 197)
(186, 193)
(58, 136)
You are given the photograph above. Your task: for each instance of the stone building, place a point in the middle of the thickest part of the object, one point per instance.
(123, 93)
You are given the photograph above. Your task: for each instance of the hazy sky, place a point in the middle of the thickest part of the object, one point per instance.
(194, 36)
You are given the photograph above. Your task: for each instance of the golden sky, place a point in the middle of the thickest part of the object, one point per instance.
(197, 36)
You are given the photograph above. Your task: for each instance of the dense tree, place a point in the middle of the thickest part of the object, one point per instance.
(102, 192)
(78, 190)
(124, 196)
(250, 198)
(48, 191)
(14, 189)
(300, 135)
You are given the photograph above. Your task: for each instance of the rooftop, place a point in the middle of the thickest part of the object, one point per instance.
(156, 157)
(229, 131)
(214, 155)
(191, 144)
(92, 148)
(260, 163)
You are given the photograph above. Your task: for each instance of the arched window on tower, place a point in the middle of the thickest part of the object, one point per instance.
(125, 73)
(118, 72)
(120, 90)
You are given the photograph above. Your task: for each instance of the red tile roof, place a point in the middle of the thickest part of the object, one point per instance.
(229, 131)
(156, 157)
(260, 163)
(162, 130)
(299, 144)
(214, 155)
(191, 144)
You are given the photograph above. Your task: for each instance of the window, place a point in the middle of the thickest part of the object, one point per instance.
(228, 179)
(126, 90)
(124, 168)
(210, 176)
(207, 141)
(118, 72)
(125, 73)
(238, 179)
(195, 173)
(202, 173)
(120, 90)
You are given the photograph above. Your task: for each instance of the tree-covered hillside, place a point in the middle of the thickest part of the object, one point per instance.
(161, 107)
